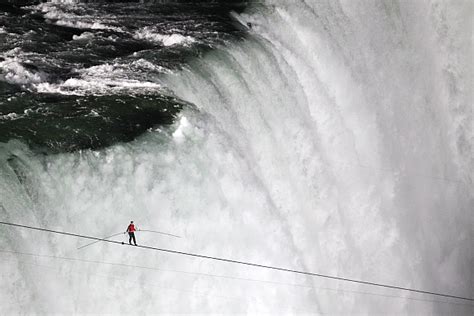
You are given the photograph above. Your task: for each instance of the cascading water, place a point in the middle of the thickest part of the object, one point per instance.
(336, 138)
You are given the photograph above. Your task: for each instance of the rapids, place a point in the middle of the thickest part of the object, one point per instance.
(336, 138)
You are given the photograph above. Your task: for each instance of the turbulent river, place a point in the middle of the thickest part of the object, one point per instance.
(326, 136)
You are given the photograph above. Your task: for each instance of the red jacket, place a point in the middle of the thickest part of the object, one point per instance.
(131, 228)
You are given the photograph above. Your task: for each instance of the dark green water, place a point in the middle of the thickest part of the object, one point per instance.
(87, 75)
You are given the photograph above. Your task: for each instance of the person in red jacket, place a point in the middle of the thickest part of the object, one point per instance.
(131, 233)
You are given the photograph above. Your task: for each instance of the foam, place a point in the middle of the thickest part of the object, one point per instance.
(12, 71)
(149, 34)
(183, 126)
(145, 64)
(102, 79)
(10, 117)
(83, 36)
(98, 86)
(59, 17)
(87, 25)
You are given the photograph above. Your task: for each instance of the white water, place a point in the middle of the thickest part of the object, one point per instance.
(54, 12)
(13, 72)
(149, 34)
(107, 79)
(336, 139)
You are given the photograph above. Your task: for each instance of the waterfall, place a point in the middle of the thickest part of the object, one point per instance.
(336, 138)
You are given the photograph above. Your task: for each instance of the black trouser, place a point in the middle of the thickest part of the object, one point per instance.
(132, 236)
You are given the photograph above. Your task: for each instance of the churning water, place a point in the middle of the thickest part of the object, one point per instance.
(332, 136)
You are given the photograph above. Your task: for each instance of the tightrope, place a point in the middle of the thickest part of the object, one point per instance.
(243, 262)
